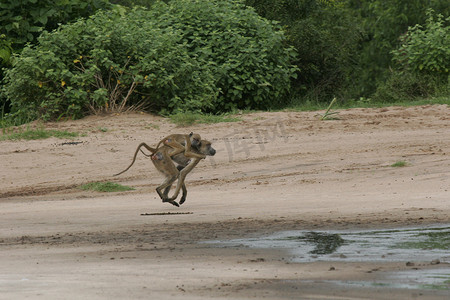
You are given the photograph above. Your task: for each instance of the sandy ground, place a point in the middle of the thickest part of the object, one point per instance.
(272, 172)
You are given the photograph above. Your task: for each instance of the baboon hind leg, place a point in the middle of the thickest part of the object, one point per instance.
(182, 177)
(166, 186)
(183, 196)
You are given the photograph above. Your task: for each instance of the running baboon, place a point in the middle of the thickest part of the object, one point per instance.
(165, 164)
(163, 161)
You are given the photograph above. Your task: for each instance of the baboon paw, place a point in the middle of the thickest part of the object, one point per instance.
(174, 203)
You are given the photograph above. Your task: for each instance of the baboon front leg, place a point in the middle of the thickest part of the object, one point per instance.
(183, 197)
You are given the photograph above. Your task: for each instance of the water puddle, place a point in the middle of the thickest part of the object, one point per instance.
(429, 279)
(425, 244)
(430, 244)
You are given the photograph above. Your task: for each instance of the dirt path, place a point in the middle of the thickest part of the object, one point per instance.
(272, 172)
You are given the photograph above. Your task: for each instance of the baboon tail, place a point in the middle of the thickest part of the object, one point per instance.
(152, 150)
(148, 155)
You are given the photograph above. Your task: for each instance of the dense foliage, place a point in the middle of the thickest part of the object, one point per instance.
(345, 46)
(23, 21)
(190, 55)
(219, 55)
(325, 35)
(384, 22)
(426, 49)
(422, 63)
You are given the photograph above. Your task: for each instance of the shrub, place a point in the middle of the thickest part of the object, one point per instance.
(107, 62)
(383, 22)
(325, 36)
(23, 21)
(189, 55)
(5, 50)
(423, 61)
(426, 49)
(251, 67)
(404, 86)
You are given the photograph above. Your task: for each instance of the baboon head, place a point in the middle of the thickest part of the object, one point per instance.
(204, 147)
(195, 139)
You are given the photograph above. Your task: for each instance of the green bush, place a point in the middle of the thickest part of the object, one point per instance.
(244, 52)
(426, 49)
(325, 36)
(23, 21)
(5, 50)
(131, 3)
(404, 86)
(189, 55)
(423, 61)
(107, 62)
(383, 22)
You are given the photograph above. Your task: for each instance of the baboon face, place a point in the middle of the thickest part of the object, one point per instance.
(204, 147)
(195, 140)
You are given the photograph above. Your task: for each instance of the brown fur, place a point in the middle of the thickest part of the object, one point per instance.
(182, 143)
(178, 142)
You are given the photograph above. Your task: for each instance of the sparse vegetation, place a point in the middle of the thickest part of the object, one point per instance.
(185, 119)
(152, 126)
(35, 134)
(105, 187)
(399, 164)
(371, 103)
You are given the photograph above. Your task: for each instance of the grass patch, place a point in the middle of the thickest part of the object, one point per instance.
(399, 164)
(152, 126)
(35, 134)
(185, 119)
(103, 129)
(105, 187)
(308, 105)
